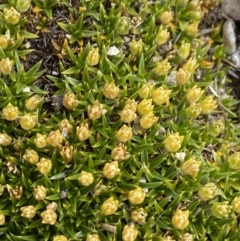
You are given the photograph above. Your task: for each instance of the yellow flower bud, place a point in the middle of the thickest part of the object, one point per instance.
(208, 105)
(60, 238)
(54, 138)
(234, 161)
(191, 167)
(190, 66)
(65, 125)
(193, 111)
(127, 115)
(122, 26)
(93, 237)
(5, 40)
(28, 211)
(187, 237)
(180, 219)
(11, 15)
(83, 132)
(111, 169)
(129, 233)
(16, 192)
(44, 166)
(28, 121)
(139, 216)
(182, 76)
(194, 94)
(110, 91)
(2, 219)
(66, 152)
(192, 29)
(220, 209)
(162, 68)
(23, 5)
(216, 128)
(173, 142)
(31, 156)
(136, 196)
(40, 193)
(10, 112)
(148, 120)
(145, 91)
(184, 50)
(236, 204)
(119, 153)
(6, 66)
(208, 191)
(162, 36)
(166, 17)
(33, 102)
(40, 141)
(95, 111)
(70, 101)
(124, 134)
(168, 238)
(145, 107)
(132, 104)
(5, 139)
(136, 47)
(93, 57)
(86, 178)
(161, 96)
(109, 206)
(49, 217)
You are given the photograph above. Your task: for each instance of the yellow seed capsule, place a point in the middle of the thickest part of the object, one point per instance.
(83, 132)
(110, 170)
(70, 101)
(145, 107)
(65, 125)
(129, 233)
(234, 161)
(193, 111)
(109, 206)
(208, 191)
(60, 238)
(220, 209)
(11, 15)
(28, 121)
(95, 111)
(52, 206)
(162, 36)
(161, 96)
(40, 193)
(28, 211)
(136, 196)
(216, 128)
(2, 219)
(49, 217)
(173, 142)
(93, 237)
(31, 156)
(128, 115)
(139, 216)
(166, 17)
(145, 91)
(33, 102)
(44, 166)
(10, 112)
(194, 94)
(191, 167)
(66, 152)
(136, 47)
(120, 153)
(184, 50)
(124, 134)
(40, 141)
(5, 139)
(110, 91)
(168, 238)
(16, 192)
(132, 104)
(182, 76)
(122, 25)
(208, 105)
(23, 5)
(54, 138)
(180, 219)
(5, 40)
(93, 57)
(236, 204)
(187, 237)
(162, 68)
(86, 178)
(192, 29)
(190, 66)
(99, 188)
(148, 120)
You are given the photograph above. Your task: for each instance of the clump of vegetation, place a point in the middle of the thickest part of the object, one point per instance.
(116, 123)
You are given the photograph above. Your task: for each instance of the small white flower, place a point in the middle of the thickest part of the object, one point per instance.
(113, 50)
(180, 156)
(26, 89)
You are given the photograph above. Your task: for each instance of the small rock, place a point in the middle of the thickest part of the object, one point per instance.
(229, 37)
(232, 9)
